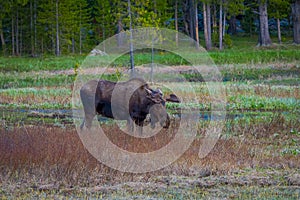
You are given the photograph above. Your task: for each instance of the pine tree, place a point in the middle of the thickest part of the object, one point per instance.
(75, 24)
(279, 9)
(46, 25)
(4, 10)
(296, 21)
(104, 19)
(234, 8)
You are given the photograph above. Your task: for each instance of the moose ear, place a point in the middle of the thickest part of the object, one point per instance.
(173, 98)
(159, 92)
(149, 92)
(153, 96)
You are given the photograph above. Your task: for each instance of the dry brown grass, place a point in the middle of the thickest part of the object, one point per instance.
(36, 96)
(51, 95)
(262, 90)
(41, 154)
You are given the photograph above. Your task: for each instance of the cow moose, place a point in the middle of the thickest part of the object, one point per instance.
(131, 100)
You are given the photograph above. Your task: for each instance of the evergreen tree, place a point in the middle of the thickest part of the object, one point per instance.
(234, 8)
(296, 21)
(4, 10)
(46, 25)
(279, 9)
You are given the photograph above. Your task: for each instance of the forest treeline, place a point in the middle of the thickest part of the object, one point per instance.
(35, 27)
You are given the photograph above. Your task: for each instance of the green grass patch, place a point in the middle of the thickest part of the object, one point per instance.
(25, 64)
(246, 53)
(46, 105)
(164, 58)
(261, 75)
(245, 103)
(35, 81)
(13, 92)
(230, 56)
(255, 56)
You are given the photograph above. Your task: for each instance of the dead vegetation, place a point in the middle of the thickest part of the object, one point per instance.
(46, 158)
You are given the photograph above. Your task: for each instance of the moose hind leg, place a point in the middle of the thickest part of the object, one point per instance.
(82, 124)
(87, 121)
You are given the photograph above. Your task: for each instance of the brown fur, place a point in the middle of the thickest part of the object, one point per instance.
(96, 96)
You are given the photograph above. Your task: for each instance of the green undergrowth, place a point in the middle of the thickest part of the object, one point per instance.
(12, 81)
(247, 54)
(19, 92)
(256, 56)
(26, 64)
(238, 103)
(264, 75)
(45, 105)
(257, 74)
(15, 81)
(244, 103)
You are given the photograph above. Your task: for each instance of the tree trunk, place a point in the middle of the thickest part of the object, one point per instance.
(104, 33)
(176, 22)
(224, 23)
(80, 42)
(2, 41)
(31, 30)
(131, 39)
(42, 45)
(278, 31)
(232, 25)
(17, 34)
(80, 32)
(196, 25)
(57, 50)
(2, 38)
(73, 44)
(119, 36)
(224, 2)
(185, 9)
(53, 39)
(296, 21)
(221, 26)
(21, 38)
(265, 39)
(13, 36)
(207, 25)
(35, 29)
(214, 18)
(191, 19)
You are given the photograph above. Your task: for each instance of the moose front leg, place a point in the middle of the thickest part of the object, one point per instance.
(139, 127)
(130, 125)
